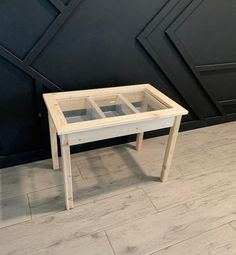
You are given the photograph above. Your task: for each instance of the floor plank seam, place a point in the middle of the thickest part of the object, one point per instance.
(14, 224)
(108, 228)
(205, 171)
(176, 156)
(60, 185)
(110, 243)
(195, 199)
(221, 145)
(8, 198)
(187, 239)
(81, 174)
(100, 175)
(230, 224)
(150, 200)
(24, 194)
(30, 210)
(86, 203)
(101, 199)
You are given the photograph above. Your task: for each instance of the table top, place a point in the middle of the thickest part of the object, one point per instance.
(84, 110)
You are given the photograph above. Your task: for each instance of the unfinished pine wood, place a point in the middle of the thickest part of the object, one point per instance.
(96, 108)
(202, 186)
(170, 149)
(127, 129)
(132, 108)
(107, 113)
(53, 142)
(53, 104)
(139, 138)
(139, 141)
(66, 166)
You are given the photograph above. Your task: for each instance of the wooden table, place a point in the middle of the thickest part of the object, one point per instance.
(90, 115)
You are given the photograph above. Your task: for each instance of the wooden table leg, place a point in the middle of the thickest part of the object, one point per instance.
(139, 141)
(53, 141)
(170, 149)
(66, 165)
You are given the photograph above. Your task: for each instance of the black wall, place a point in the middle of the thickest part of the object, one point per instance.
(186, 48)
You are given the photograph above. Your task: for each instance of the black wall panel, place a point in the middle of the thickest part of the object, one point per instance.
(186, 48)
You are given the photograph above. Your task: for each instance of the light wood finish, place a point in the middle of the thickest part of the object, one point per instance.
(139, 141)
(14, 210)
(128, 104)
(170, 149)
(220, 241)
(53, 142)
(153, 102)
(132, 108)
(96, 108)
(191, 214)
(66, 166)
(192, 186)
(63, 127)
(175, 225)
(158, 111)
(46, 233)
(127, 129)
(140, 136)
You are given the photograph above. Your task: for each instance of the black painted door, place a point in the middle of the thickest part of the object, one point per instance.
(186, 48)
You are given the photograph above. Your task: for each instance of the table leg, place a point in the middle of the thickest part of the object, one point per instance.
(170, 149)
(66, 165)
(53, 141)
(139, 141)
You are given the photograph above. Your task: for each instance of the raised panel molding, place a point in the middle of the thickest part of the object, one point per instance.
(25, 64)
(203, 69)
(154, 46)
(171, 64)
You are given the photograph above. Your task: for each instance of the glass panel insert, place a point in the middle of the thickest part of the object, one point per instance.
(78, 110)
(112, 106)
(144, 102)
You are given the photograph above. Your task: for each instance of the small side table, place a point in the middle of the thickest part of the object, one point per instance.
(90, 115)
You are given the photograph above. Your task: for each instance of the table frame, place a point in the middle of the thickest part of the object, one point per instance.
(103, 128)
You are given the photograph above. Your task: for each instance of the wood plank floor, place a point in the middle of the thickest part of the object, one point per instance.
(121, 207)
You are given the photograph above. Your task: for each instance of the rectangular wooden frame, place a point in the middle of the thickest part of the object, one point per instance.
(107, 127)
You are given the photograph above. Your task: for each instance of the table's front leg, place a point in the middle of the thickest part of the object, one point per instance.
(53, 142)
(170, 149)
(66, 166)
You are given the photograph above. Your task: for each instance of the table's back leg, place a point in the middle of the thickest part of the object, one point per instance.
(139, 141)
(53, 142)
(66, 165)
(170, 149)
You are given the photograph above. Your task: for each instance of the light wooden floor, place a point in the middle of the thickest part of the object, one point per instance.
(121, 207)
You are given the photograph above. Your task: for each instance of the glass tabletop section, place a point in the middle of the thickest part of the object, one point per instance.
(108, 106)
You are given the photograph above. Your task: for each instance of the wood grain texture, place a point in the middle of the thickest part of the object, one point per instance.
(53, 143)
(67, 173)
(191, 187)
(14, 210)
(68, 226)
(94, 244)
(31, 177)
(175, 225)
(204, 160)
(195, 209)
(170, 147)
(220, 241)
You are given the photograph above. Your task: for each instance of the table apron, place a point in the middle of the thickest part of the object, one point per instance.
(119, 130)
